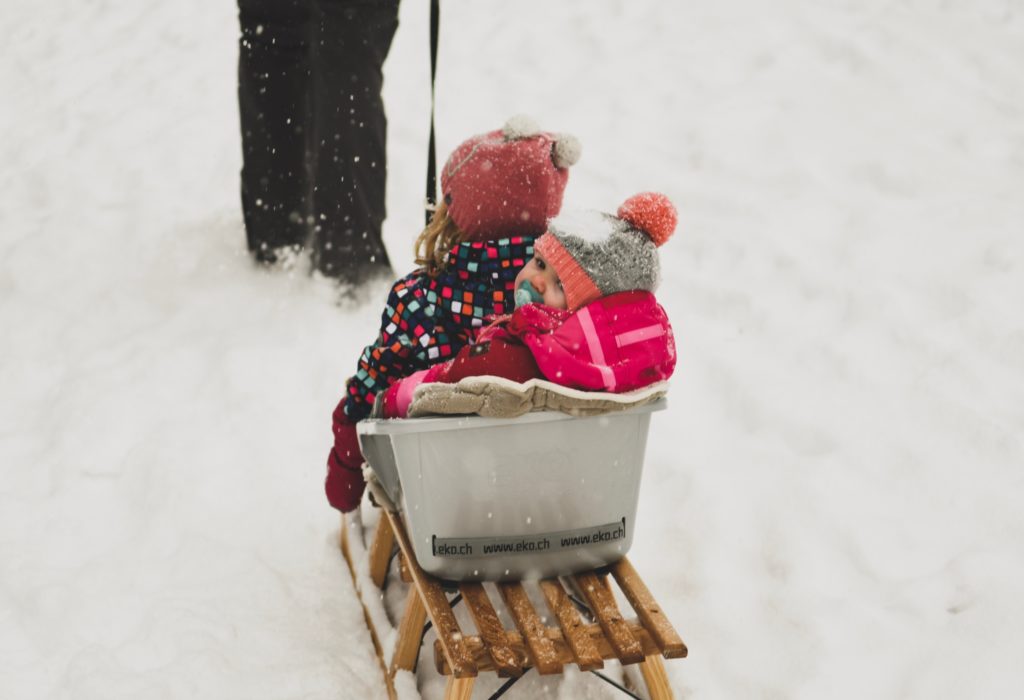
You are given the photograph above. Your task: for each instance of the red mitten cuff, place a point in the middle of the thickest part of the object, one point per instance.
(399, 395)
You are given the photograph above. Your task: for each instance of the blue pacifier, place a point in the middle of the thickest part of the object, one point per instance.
(526, 294)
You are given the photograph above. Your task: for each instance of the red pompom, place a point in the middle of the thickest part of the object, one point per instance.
(652, 213)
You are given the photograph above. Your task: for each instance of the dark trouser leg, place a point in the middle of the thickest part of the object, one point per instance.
(273, 93)
(351, 39)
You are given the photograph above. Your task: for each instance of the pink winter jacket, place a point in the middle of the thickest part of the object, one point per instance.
(617, 343)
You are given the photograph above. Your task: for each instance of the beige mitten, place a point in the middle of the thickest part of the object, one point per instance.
(444, 399)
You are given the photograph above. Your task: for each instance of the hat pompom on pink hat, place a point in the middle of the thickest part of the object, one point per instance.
(508, 182)
(598, 254)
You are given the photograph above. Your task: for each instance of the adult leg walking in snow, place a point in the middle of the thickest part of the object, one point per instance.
(273, 90)
(351, 41)
(314, 131)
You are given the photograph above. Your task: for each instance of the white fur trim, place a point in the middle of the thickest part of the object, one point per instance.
(567, 150)
(520, 127)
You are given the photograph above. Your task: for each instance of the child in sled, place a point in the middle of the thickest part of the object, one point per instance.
(585, 315)
(499, 189)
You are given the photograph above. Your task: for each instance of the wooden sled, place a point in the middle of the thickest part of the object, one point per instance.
(462, 656)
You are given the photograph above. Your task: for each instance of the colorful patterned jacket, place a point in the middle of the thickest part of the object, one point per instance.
(427, 321)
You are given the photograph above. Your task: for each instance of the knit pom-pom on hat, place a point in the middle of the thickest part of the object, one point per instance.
(566, 151)
(651, 212)
(521, 126)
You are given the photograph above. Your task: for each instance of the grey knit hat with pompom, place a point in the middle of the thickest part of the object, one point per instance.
(598, 254)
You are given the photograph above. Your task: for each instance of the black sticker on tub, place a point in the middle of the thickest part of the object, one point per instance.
(537, 543)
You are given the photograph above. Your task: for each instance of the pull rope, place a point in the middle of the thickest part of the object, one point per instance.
(435, 20)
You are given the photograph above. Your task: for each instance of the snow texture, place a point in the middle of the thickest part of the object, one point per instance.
(831, 504)
(589, 226)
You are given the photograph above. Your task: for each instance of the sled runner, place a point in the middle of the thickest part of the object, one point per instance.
(557, 533)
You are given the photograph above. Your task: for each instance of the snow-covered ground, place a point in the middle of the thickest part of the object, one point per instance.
(831, 506)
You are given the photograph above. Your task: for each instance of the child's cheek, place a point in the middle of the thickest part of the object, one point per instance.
(556, 298)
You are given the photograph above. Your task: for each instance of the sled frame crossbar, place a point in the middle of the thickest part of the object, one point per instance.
(606, 635)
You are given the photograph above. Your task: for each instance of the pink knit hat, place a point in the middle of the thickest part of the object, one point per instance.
(508, 182)
(598, 254)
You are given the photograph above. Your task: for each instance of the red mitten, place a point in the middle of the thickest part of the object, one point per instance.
(344, 484)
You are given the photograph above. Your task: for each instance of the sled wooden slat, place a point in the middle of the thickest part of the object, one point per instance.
(542, 649)
(410, 633)
(403, 569)
(491, 631)
(583, 648)
(602, 604)
(655, 678)
(438, 608)
(648, 610)
(564, 652)
(459, 688)
(380, 551)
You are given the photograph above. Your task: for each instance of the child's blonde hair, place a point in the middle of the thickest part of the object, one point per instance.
(436, 241)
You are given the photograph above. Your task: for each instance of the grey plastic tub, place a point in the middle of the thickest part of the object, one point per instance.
(524, 498)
